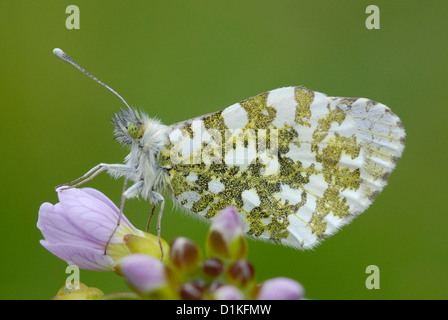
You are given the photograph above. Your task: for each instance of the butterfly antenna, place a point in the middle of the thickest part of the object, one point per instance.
(63, 56)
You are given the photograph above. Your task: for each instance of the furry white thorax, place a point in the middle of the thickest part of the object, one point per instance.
(143, 159)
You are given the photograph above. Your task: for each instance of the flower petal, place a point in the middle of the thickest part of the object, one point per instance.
(281, 288)
(92, 218)
(228, 224)
(101, 197)
(57, 227)
(228, 292)
(78, 228)
(144, 273)
(81, 256)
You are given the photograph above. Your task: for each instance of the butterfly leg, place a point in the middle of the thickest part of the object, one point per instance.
(150, 217)
(114, 169)
(129, 193)
(123, 199)
(159, 199)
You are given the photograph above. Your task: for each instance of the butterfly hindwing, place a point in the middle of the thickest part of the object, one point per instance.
(296, 164)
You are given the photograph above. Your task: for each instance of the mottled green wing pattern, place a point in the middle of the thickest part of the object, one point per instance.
(296, 164)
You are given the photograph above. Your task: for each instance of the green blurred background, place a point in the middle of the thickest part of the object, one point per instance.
(180, 59)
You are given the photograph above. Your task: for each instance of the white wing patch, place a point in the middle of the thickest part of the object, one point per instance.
(250, 199)
(235, 117)
(215, 186)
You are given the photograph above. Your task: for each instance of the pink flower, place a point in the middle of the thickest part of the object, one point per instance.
(78, 227)
(281, 289)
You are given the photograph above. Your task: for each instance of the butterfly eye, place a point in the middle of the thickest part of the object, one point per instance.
(135, 130)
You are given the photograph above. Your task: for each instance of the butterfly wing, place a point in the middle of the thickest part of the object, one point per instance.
(297, 164)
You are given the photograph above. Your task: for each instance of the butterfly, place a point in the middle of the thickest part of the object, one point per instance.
(295, 163)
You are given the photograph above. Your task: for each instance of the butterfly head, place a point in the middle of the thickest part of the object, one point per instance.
(129, 127)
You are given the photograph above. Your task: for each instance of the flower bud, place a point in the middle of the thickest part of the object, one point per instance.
(78, 291)
(213, 267)
(184, 254)
(281, 289)
(215, 285)
(193, 290)
(143, 273)
(228, 292)
(226, 236)
(241, 273)
(146, 243)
